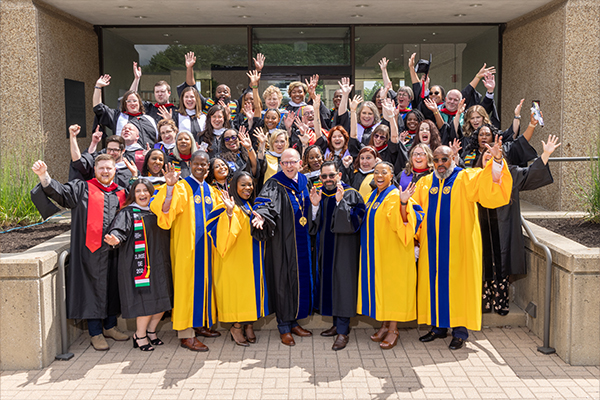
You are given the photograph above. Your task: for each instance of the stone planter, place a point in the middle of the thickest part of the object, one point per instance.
(29, 314)
(575, 308)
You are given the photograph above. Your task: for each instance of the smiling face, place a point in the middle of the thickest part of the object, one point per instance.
(161, 94)
(217, 120)
(366, 161)
(199, 167)
(330, 177)
(290, 163)
(452, 99)
(419, 158)
(315, 159)
(337, 98)
(156, 163)
(436, 94)
(424, 133)
(230, 138)
(382, 176)
(220, 170)
(132, 103)
(245, 187)
(379, 138)
(366, 117)
(280, 143)
(412, 122)
(189, 100)
(104, 171)
(130, 134)
(337, 140)
(167, 134)
(142, 195)
(223, 93)
(297, 94)
(403, 99)
(184, 144)
(442, 161)
(114, 150)
(272, 101)
(484, 136)
(308, 116)
(271, 120)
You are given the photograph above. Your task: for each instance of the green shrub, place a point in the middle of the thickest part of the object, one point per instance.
(591, 194)
(16, 181)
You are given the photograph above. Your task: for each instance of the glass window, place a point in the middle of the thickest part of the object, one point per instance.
(458, 52)
(221, 57)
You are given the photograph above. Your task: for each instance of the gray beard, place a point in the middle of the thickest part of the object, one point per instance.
(446, 174)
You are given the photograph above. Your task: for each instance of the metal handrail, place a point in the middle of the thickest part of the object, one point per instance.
(64, 337)
(545, 349)
(573, 159)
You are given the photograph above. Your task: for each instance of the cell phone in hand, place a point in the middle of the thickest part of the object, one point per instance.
(535, 109)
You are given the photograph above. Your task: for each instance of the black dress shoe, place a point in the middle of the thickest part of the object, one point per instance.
(431, 336)
(456, 343)
(502, 312)
(330, 332)
(340, 342)
(206, 332)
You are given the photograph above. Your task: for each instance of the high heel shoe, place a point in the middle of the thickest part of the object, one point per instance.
(143, 347)
(249, 331)
(155, 342)
(243, 342)
(380, 335)
(390, 345)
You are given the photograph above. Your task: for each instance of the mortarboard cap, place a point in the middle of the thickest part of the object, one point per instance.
(423, 66)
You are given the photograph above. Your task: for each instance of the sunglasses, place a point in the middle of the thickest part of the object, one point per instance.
(436, 93)
(326, 176)
(380, 137)
(443, 159)
(230, 138)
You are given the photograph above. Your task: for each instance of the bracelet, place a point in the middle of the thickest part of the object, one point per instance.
(254, 87)
(517, 117)
(532, 126)
(498, 160)
(403, 203)
(229, 215)
(97, 87)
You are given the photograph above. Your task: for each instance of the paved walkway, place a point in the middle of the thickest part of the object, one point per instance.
(497, 363)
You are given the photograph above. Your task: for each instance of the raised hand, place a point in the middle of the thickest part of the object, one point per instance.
(131, 167)
(388, 108)
(111, 240)
(455, 146)
(304, 134)
(339, 194)
(407, 193)
(39, 168)
(137, 71)
(383, 63)
(171, 174)
(261, 136)
(312, 84)
(430, 104)
(164, 113)
(222, 103)
(484, 70)
(347, 161)
(426, 84)
(533, 120)
(345, 85)
(248, 110)
(301, 125)
(245, 138)
(403, 136)
(190, 59)
(317, 100)
(329, 157)
(496, 151)
(356, 100)
(228, 201)
(489, 81)
(257, 220)
(315, 196)
(97, 135)
(461, 107)
(551, 145)
(411, 61)
(75, 129)
(254, 77)
(288, 120)
(146, 150)
(103, 81)
(518, 108)
(259, 62)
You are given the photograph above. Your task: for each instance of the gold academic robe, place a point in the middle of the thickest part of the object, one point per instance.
(450, 260)
(387, 278)
(191, 250)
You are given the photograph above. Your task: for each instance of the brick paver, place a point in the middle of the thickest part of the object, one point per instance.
(495, 364)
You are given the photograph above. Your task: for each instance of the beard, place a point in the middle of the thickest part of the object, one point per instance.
(446, 174)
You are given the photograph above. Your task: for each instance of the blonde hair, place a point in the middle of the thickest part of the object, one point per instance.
(275, 134)
(467, 127)
(272, 90)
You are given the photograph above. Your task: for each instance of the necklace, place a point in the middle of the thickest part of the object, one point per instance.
(302, 219)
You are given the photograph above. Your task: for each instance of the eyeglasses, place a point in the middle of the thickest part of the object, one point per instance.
(326, 176)
(289, 163)
(307, 113)
(380, 137)
(230, 138)
(443, 160)
(131, 101)
(419, 154)
(111, 150)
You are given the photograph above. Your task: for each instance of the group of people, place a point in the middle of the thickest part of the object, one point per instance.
(401, 208)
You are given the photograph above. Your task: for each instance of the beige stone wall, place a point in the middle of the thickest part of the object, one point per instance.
(553, 55)
(41, 47)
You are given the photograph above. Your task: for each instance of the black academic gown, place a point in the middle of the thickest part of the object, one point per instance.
(507, 222)
(181, 165)
(152, 110)
(83, 169)
(337, 228)
(287, 254)
(147, 126)
(92, 286)
(158, 295)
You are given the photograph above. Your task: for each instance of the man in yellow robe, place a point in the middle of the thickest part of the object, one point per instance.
(450, 263)
(184, 207)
